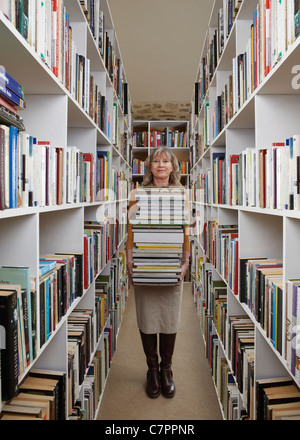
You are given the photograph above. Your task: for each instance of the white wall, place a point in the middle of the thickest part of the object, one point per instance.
(161, 42)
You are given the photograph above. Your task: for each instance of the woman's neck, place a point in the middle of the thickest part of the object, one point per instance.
(161, 182)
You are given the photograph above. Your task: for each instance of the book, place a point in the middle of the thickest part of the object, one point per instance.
(42, 406)
(9, 335)
(292, 354)
(44, 387)
(22, 320)
(61, 378)
(24, 410)
(9, 96)
(283, 393)
(9, 82)
(21, 275)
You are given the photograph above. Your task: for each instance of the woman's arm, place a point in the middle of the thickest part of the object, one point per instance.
(184, 265)
(129, 243)
(129, 260)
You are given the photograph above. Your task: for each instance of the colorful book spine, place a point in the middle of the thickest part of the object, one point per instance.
(10, 83)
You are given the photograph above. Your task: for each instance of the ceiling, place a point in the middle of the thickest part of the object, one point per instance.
(161, 42)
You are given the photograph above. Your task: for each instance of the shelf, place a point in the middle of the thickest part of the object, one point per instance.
(265, 120)
(53, 115)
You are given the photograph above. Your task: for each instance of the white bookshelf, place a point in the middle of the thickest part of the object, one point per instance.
(148, 128)
(53, 114)
(268, 115)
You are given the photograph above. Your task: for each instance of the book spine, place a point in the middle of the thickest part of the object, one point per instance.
(11, 97)
(13, 166)
(9, 353)
(2, 169)
(11, 83)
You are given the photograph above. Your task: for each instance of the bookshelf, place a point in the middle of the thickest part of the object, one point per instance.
(89, 219)
(149, 134)
(244, 123)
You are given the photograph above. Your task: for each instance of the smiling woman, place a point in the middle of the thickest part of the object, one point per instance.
(158, 308)
(161, 168)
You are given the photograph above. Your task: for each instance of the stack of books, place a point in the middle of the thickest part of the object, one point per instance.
(158, 234)
(11, 100)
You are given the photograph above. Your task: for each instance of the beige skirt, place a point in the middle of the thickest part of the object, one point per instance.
(158, 308)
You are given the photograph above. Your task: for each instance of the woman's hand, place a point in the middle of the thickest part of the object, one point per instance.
(184, 268)
(130, 271)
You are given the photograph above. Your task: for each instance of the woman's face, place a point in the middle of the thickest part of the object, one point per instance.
(161, 167)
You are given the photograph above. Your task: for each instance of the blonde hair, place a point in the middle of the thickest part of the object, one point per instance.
(174, 179)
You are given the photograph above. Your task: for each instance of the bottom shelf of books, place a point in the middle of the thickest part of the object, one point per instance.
(73, 338)
(252, 358)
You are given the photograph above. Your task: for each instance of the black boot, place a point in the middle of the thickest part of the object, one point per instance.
(150, 349)
(166, 349)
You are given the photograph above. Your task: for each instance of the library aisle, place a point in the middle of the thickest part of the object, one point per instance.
(125, 396)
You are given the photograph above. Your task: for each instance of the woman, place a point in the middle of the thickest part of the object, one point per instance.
(158, 312)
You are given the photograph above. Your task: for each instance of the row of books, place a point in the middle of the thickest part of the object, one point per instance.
(277, 398)
(206, 125)
(18, 324)
(273, 305)
(124, 147)
(47, 28)
(119, 184)
(229, 342)
(103, 175)
(110, 297)
(36, 173)
(111, 287)
(158, 235)
(232, 365)
(138, 166)
(86, 91)
(169, 137)
(80, 332)
(184, 167)
(106, 45)
(99, 246)
(279, 175)
(258, 282)
(273, 30)
(240, 350)
(11, 92)
(230, 339)
(51, 395)
(196, 149)
(220, 243)
(62, 278)
(42, 396)
(60, 283)
(268, 178)
(200, 187)
(88, 375)
(226, 386)
(223, 109)
(86, 403)
(96, 20)
(215, 47)
(140, 139)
